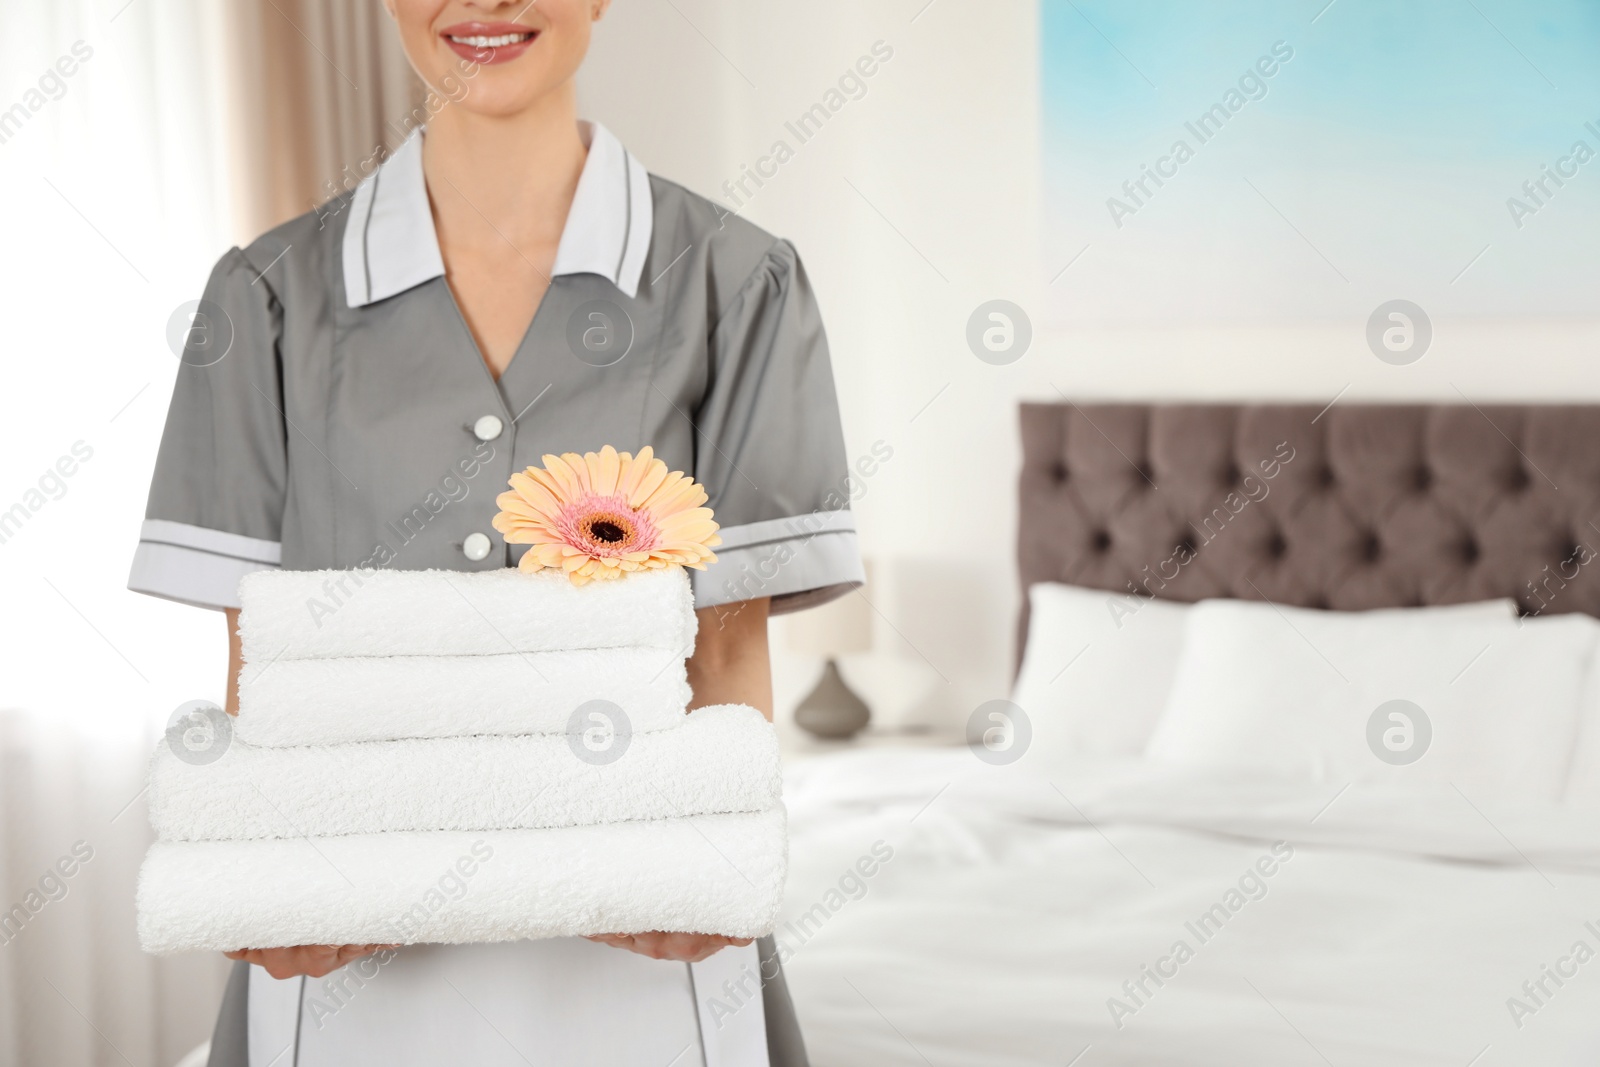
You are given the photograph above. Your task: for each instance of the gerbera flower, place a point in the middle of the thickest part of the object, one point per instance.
(603, 514)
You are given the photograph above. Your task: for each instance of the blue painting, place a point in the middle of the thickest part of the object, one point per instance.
(1242, 160)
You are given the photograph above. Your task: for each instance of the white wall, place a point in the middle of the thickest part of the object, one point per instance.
(945, 146)
(942, 144)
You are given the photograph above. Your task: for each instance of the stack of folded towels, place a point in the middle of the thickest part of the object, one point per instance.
(465, 757)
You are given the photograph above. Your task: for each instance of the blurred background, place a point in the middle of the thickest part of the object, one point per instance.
(1000, 151)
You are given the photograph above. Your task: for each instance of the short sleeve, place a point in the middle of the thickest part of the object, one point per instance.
(215, 511)
(770, 450)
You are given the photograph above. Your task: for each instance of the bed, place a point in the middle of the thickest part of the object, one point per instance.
(1338, 905)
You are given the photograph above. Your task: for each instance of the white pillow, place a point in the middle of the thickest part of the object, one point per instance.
(1107, 702)
(1122, 652)
(1583, 778)
(1298, 691)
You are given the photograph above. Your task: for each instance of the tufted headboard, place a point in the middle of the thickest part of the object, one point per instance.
(1348, 507)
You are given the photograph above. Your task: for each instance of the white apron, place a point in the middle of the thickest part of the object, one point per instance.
(565, 1000)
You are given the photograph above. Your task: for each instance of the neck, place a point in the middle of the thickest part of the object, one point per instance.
(491, 176)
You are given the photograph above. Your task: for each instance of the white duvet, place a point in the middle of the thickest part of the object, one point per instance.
(943, 912)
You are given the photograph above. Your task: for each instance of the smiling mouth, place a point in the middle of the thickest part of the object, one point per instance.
(499, 40)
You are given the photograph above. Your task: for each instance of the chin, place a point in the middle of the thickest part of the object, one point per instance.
(502, 89)
(501, 101)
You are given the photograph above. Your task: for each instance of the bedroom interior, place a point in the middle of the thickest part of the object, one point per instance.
(1229, 661)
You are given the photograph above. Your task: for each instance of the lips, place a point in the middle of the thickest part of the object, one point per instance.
(488, 42)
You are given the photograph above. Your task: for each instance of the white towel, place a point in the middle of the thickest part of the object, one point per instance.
(382, 698)
(304, 614)
(716, 874)
(722, 759)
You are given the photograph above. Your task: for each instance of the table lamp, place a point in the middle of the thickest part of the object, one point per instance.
(839, 628)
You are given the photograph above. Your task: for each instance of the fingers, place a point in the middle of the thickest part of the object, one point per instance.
(710, 947)
(690, 948)
(346, 954)
(313, 961)
(286, 963)
(646, 944)
(317, 961)
(680, 947)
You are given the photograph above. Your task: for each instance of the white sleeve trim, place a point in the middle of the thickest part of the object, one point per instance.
(217, 542)
(799, 562)
(773, 530)
(196, 565)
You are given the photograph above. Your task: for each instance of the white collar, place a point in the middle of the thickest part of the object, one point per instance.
(390, 244)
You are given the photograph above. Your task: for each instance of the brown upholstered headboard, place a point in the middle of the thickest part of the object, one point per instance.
(1355, 506)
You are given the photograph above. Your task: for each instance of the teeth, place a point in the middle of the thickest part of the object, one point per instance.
(500, 41)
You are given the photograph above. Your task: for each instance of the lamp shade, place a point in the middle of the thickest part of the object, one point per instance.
(838, 628)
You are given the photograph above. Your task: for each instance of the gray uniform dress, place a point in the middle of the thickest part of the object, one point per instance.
(333, 410)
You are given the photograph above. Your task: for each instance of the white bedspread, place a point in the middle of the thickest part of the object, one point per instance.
(1013, 909)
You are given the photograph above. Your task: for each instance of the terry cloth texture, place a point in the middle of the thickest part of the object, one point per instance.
(318, 614)
(384, 698)
(719, 874)
(455, 757)
(722, 759)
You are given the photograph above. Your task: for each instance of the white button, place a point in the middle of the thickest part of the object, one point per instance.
(488, 428)
(476, 547)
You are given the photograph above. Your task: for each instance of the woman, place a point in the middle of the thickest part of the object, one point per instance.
(510, 283)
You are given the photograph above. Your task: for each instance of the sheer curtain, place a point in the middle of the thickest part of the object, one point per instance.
(127, 134)
(111, 179)
(319, 87)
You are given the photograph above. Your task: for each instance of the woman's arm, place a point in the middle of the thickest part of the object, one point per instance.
(730, 665)
(235, 661)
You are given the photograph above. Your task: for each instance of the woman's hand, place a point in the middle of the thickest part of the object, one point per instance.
(313, 961)
(685, 948)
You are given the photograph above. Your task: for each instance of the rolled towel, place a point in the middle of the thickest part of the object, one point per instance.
(383, 698)
(723, 759)
(715, 874)
(310, 614)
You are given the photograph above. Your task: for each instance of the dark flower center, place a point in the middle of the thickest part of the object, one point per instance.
(609, 532)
